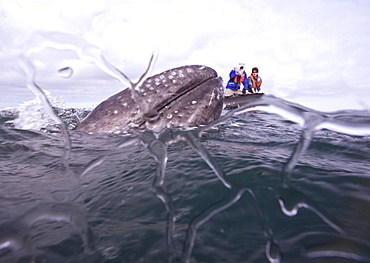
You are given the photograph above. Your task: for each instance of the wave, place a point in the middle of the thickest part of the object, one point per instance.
(277, 172)
(31, 115)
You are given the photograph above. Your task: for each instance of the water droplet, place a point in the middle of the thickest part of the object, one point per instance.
(66, 72)
(273, 251)
(60, 195)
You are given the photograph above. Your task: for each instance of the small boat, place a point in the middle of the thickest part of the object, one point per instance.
(236, 101)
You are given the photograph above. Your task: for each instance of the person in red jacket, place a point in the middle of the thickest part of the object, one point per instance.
(254, 82)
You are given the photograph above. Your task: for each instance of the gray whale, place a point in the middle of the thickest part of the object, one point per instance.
(185, 96)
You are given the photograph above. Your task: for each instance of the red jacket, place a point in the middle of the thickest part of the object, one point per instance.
(255, 83)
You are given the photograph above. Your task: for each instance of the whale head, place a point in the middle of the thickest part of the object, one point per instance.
(186, 96)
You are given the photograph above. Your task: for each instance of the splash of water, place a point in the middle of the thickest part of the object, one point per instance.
(31, 115)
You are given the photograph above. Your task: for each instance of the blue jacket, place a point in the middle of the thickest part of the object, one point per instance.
(236, 85)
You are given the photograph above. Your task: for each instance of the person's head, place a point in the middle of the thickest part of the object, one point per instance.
(240, 69)
(255, 71)
(241, 66)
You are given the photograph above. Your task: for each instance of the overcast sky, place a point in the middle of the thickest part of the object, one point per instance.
(312, 52)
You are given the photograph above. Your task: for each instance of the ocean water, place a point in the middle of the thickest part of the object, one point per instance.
(268, 182)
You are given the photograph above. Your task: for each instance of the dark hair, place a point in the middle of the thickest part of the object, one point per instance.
(255, 69)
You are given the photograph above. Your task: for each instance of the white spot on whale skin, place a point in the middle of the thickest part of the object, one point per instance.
(115, 112)
(193, 102)
(169, 116)
(202, 67)
(212, 97)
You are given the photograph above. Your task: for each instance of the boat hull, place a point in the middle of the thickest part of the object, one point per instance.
(234, 102)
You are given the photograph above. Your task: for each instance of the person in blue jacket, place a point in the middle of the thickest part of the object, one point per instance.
(237, 77)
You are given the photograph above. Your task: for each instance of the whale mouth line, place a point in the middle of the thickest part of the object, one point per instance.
(187, 91)
(156, 110)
